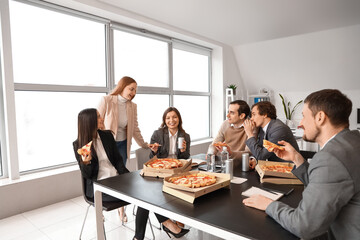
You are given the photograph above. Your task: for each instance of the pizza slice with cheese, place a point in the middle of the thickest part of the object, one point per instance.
(85, 150)
(220, 144)
(271, 146)
(193, 180)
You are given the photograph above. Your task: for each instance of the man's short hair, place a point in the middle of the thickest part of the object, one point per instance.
(335, 105)
(243, 107)
(266, 108)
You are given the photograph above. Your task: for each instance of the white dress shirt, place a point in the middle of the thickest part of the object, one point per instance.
(106, 169)
(172, 145)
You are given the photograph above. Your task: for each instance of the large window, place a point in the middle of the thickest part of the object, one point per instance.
(64, 61)
(149, 60)
(1, 171)
(52, 53)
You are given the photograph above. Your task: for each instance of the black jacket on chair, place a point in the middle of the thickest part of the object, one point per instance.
(90, 171)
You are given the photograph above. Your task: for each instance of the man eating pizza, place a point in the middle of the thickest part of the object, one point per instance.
(331, 199)
(264, 123)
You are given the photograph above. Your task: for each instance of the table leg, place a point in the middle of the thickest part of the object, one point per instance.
(99, 215)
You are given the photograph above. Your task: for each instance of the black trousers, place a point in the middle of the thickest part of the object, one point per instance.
(142, 216)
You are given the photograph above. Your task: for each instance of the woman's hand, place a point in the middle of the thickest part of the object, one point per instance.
(183, 149)
(154, 147)
(86, 159)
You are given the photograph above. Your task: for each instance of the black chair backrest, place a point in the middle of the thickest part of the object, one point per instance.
(107, 206)
(83, 186)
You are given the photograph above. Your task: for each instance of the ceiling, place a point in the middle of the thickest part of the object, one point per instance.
(237, 22)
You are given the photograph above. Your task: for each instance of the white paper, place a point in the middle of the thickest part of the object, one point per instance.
(238, 180)
(254, 190)
(198, 161)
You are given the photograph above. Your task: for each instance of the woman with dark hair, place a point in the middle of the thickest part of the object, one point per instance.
(164, 144)
(104, 159)
(164, 141)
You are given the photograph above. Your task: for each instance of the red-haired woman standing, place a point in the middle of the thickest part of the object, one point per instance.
(120, 116)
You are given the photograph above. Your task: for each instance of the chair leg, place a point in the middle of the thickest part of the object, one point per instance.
(159, 228)
(104, 229)
(152, 230)
(134, 214)
(82, 228)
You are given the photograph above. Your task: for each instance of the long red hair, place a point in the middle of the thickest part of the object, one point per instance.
(124, 81)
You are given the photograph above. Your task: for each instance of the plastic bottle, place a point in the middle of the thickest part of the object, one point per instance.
(224, 157)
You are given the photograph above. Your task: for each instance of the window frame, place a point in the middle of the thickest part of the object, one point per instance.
(12, 169)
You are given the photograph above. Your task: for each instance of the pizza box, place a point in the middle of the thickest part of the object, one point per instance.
(266, 173)
(161, 173)
(280, 180)
(189, 194)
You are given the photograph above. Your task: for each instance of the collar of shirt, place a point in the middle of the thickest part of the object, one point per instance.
(233, 125)
(122, 99)
(328, 141)
(170, 135)
(265, 129)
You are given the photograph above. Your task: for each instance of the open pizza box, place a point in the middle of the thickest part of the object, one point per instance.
(189, 194)
(161, 173)
(276, 177)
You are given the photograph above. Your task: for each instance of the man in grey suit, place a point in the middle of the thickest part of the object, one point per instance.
(331, 199)
(264, 122)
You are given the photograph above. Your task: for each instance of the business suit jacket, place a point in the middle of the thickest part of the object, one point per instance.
(90, 171)
(161, 136)
(331, 199)
(109, 111)
(275, 132)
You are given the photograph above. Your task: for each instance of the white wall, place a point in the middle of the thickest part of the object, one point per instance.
(298, 65)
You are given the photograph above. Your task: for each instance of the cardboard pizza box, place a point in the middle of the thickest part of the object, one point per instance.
(266, 173)
(161, 173)
(280, 180)
(190, 194)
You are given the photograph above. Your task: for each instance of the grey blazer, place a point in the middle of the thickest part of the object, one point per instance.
(331, 199)
(161, 136)
(275, 132)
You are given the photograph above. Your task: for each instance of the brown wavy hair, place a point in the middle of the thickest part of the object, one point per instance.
(266, 108)
(172, 109)
(124, 81)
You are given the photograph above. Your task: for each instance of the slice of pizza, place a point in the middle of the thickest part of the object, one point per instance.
(85, 150)
(271, 146)
(220, 144)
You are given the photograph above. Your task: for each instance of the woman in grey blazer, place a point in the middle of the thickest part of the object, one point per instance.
(164, 141)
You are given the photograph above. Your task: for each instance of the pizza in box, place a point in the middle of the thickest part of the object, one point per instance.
(165, 163)
(277, 168)
(193, 180)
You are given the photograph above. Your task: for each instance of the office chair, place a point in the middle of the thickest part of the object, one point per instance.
(107, 206)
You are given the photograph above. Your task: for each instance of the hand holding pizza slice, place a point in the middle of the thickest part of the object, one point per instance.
(271, 146)
(85, 153)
